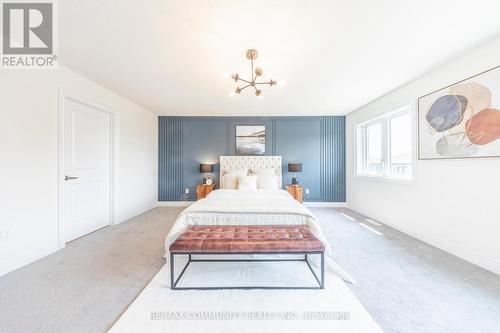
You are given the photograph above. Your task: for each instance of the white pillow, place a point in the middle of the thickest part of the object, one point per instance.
(264, 172)
(247, 182)
(239, 172)
(236, 173)
(268, 182)
(230, 181)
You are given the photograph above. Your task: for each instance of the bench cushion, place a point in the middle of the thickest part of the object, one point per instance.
(246, 239)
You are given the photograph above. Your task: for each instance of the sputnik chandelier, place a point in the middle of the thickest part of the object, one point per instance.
(252, 55)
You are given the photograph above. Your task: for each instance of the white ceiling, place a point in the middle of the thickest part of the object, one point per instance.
(335, 55)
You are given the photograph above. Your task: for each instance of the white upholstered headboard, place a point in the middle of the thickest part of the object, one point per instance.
(253, 163)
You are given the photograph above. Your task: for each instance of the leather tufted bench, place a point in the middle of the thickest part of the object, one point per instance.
(272, 240)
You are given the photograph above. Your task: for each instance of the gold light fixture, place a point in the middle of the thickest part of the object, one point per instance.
(252, 55)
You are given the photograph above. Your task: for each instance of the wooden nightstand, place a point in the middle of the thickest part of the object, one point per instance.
(296, 191)
(202, 190)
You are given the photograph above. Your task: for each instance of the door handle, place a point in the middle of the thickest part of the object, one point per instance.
(70, 178)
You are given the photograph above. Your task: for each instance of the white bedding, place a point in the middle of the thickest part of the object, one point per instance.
(253, 207)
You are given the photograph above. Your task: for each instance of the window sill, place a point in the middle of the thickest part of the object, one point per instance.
(386, 179)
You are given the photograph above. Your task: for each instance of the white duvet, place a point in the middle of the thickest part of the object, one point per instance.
(254, 207)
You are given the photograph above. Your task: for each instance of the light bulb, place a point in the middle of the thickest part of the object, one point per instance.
(232, 93)
(226, 75)
(281, 83)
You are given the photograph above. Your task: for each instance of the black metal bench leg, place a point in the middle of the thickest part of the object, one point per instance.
(322, 270)
(172, 284)
(173, 281)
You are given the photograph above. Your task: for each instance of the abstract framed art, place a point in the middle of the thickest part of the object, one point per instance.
(461, 120)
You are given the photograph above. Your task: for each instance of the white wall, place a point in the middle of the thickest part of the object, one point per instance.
(454, 204)
(29, 159)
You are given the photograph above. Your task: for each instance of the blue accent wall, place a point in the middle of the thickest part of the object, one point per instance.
(316, 142)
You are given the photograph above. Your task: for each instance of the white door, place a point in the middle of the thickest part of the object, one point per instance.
(87, 155)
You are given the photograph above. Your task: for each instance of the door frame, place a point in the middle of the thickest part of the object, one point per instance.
(63, 95)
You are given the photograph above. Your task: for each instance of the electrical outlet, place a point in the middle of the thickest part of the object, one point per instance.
(307, 191)
(186, 191)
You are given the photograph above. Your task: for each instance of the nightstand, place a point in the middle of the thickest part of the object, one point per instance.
(202, 190)
(296, 191)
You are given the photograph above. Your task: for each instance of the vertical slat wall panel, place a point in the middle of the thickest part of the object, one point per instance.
(170, 158)
(331, 177)
(333, 159)
(326, 162)
(340, 158)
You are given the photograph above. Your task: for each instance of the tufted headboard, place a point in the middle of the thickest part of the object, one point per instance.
(253, 163)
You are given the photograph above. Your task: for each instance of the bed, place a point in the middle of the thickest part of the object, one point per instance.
(250, 207)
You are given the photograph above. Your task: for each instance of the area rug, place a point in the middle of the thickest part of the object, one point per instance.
(160, 309)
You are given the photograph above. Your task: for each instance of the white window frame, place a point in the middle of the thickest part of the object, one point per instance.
(361, 146)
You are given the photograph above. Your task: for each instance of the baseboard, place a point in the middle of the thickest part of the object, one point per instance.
(23, 258)
(466, 254)
(469, 255)
(325, 204)
(306, 203)
(174, 203)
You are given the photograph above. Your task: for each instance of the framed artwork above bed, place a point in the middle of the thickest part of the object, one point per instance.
(461, 120)
(250, 140)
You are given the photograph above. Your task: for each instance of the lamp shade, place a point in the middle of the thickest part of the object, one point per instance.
(294, 167)
(206, 168)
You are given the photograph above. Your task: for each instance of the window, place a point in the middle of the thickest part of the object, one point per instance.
(385, 146)
(401, 143)
(374, 158)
